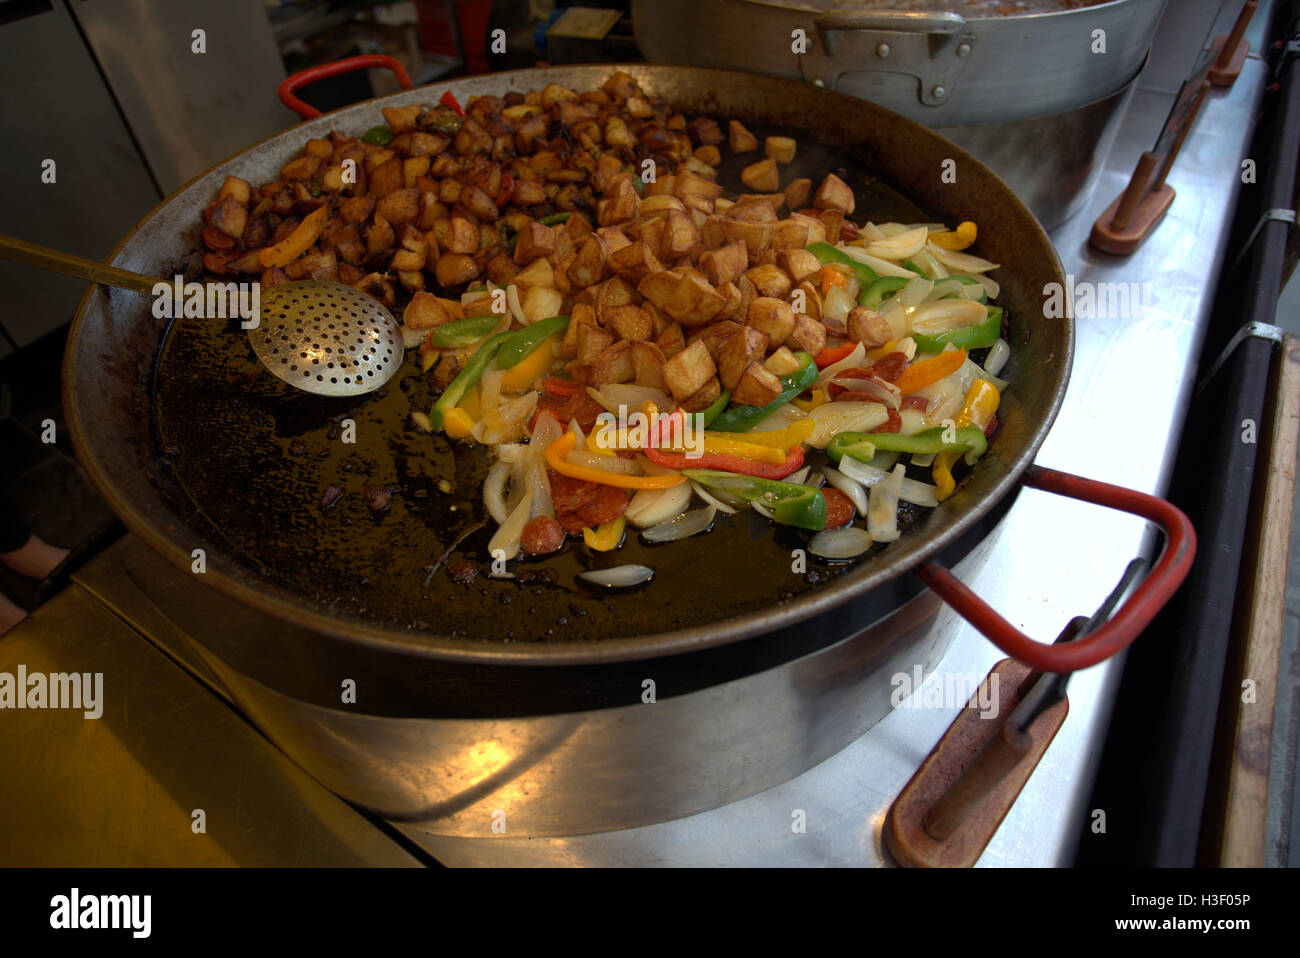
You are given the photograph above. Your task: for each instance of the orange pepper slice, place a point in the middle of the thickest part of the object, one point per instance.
(929, 371)
(296, 243)
(832, 277)
(557, 450)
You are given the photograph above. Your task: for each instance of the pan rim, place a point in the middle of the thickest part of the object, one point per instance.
(263, 596)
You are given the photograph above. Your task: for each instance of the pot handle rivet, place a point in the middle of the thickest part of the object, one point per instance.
(882, 51)
(963, 50)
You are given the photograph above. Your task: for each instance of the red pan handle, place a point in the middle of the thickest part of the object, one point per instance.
(310, 75)
(1131, 618)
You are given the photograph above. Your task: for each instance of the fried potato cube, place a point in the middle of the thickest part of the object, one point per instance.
(541, 302)
(479, 203)
(773, 317)
(762, 176)
(425, 311)
(428, 144)
(791, 233)
(412, 255)
(708, 155)
(592, 341)
(634, 261)
(797, 193)
(732, 299)
(536, 273)
(588, 266)
(740, 139)
(757, 386)
(529, 193)
(782, 362)
(379, 236)
(693, 186)
(455, 269)
(386, 178)
(461, 236)
(231, 217)
(868, 327)
(400, 207)
(780, 148)
(303, 168)
(714, 335)
(357, 209)
(614, 365)
(725, 264)
(648, 366)
(629, 322)
(798, 263)
(681, 236)
(689, 370)
(743, 347)
(693, 301)
(704, 397)
(816, 228)
(580, 315)
(833, 223)
(671, 340)
(401, 119)
(413, 168)
(808, 335)
(611, 294)
(834, 194)
(617, 209)
(235, 188)
(770, 280)
(757, 236)
(535, 242)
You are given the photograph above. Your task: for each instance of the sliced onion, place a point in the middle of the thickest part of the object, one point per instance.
(837, 303)
(613, 464)
(946, 315)
(914, 420)
(763, 511)
(918, 493)
(413, 337)
(513, 417)
(991, 287)
(539, 481)
(961, 262)
(512, 452)
(946, 288)
(516, 307)
(494, 490)
(923, 460)
(786, 415)
(847, 542)
(797, 478)
(506, 539)
(931, 265)
(619, 577)
(716, 503)
(882, 510)
(901, 246)
(650, 507)
(854, 490)
(688, 524)
(852, 361)
(886, 394)
(861, 472)
(881, 266)
(896, 317)
(914, 292)
(836, 417)
(871, 232)
(629, 396)
(997, 358)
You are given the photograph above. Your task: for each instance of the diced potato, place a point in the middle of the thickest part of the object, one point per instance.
(535, 241)
(455, 269)
(770, 280)
(714, 335)
(757, 236)
(613, 365)
(357, 209)
(588, 266)
(400, 207)
(580, 315)
(694, 302)
(235, 188)
(832, 222)
(634, 261)
(780, 148)
(866, 326)
(744, 347)
(704, 397)
(428, 144)
(385, 178)
(763, 176)
(689, 370)
(479, 203)
(671, 341)
(816, 229)
(731, 294)
(379, 235)
(648, 365)
(231, 217)
(681, 236)
(798, 263)
(592, 341)
(401, 119)
(757, 386)
(726, 263)
(425, 311)
(782, 362)
(834, 194)
(536, 273)
(773, 317)
(797, 192)
(611, 294)
(462, 236)
(691, 185)
(709, 155)
(617, 209)
(629, 322)
(740, 139)
(303, 168)
(808, 335)
(541, 302)
(791, 233)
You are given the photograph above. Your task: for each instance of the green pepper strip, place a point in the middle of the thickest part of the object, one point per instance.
(875, 294)
(790, 504)
(466, 378)
(706, 417)
(826, 254)
(966, 337)
(972, 281)
(463, 332)
(554, 219)
(911, 264)
(378, 135)
(969, 439)
(524, 341)
(744, 418)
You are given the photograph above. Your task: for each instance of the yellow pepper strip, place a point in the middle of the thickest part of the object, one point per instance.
(976, 410)
(557, 450)
(819, 398)
(536, 364)
(956, 240)
(428, 359)
(605, 536)
(471, 402)
(781, 439)
(296, 243)
(726, 446)
(879, 353)
(613, 439)
(457, 423)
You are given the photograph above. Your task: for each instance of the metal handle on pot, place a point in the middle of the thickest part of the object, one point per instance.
(902, 21)
(1135, 615)
(325, 70)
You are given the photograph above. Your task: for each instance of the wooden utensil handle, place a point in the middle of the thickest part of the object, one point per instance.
(29, 254)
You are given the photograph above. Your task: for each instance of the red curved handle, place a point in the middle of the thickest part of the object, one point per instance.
(346, 65)
(1127, 624)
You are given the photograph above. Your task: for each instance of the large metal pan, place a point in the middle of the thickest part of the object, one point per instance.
(288, 677)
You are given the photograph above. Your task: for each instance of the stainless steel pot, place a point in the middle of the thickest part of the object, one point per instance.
(1037, 96)
(560, 732)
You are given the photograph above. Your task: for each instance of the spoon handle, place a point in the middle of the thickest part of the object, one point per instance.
(29, 254)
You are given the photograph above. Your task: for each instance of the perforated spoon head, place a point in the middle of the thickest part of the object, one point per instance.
(327, 338)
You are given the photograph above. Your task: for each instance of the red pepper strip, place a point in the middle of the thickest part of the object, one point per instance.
(448, 100)
(832, 354)
(745, 467)
(563, 388)
(507, 190)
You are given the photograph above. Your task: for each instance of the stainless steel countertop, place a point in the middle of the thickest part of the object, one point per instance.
(1076, 550)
